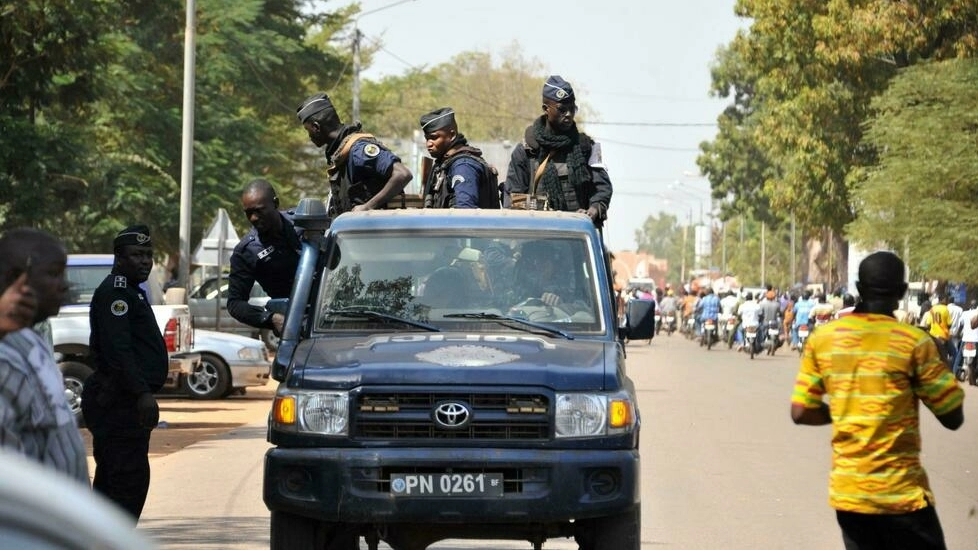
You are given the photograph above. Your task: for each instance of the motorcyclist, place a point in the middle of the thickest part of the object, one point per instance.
(670, 307)
(801, 311)
(749, 313)
(771, 315)
(709, 307)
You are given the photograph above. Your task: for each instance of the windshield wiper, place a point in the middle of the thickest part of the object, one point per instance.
(503, 319)
(355, 312)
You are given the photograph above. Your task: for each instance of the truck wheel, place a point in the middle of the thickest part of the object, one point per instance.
(292, 532)
(74, 375)
(209, 380)
(621, 532)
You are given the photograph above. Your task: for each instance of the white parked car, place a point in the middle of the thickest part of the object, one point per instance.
(229, 363)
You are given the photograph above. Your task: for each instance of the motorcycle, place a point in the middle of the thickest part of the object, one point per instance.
(803, 331)
(969, 363)
(729, 327)
(773, 330)
(658, 321)
(709, 336)
(750, 340)
(689, 328)
(670, 323)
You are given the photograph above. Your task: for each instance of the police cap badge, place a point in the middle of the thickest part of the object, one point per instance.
(137, 234)
(438, 119)
(557, 89)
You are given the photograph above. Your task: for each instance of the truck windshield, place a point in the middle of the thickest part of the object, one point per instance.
(431, 277)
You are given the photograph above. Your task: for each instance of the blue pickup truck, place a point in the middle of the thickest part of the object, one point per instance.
(451, 374)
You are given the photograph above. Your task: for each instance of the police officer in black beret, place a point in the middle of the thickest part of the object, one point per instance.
(558, 161)
(363, 173)
(460, 177)
(267, 254)
(131, 364)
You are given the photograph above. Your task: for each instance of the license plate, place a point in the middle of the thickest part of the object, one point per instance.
(709, 325)
(751, 334)
(969, 352)
(773, 331)
(447, 484)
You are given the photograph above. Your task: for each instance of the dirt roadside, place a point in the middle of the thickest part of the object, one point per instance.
(184, 422)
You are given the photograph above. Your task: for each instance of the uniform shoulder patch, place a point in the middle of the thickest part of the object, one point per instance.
(457, 179)
(119, 307)
(371, 150)
(119, 282)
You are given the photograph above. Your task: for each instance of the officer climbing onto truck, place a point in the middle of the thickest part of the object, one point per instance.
(363, 173)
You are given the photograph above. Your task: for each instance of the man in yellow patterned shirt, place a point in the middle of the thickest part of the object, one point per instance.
(876, 372)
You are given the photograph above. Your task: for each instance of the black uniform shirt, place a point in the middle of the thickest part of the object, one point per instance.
(271, 263)
(126, 341)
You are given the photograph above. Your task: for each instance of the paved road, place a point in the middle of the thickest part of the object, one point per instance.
(723, 466)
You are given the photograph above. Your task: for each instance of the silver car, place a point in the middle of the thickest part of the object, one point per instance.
(204, 303)
(229, 363)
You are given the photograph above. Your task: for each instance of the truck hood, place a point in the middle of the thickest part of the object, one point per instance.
(455, 358)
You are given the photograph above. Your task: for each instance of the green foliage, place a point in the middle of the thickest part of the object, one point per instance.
(922, 195)
(801, 81)
(493, 100)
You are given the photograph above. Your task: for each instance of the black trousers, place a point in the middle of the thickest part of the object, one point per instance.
(919, 530)
(121, 449)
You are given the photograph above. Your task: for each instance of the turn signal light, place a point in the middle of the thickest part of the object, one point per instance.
(283, 410)
(619, 413)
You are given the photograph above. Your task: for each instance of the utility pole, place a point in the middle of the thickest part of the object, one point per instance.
(357, 36)
(356, 71)
(187, 150)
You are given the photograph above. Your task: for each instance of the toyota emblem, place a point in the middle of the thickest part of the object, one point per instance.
(451, 415)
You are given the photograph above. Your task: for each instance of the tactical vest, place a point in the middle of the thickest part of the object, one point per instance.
(576, 198)
(438, 189)
(344, 194)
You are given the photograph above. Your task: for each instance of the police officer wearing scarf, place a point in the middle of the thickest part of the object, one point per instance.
(460, 176)
(559, 161)
(267, 254)
(131, 364)
(363, 174)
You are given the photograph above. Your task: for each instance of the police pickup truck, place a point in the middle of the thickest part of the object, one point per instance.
(451, 374)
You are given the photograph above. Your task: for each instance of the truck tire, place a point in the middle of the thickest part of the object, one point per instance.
(619, 532)
(210, 379)
(292, 532)
(74, 375)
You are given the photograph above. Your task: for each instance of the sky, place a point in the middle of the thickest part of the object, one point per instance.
(643, 66)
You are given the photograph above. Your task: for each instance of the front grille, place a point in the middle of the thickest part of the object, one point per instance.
(409, 416)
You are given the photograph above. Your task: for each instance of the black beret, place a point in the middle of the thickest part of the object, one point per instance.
(557, 89)
(312, 105)
(137, 234)
(438, 119)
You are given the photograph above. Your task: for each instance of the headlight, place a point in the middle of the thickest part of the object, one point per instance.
(591, 414)
(250, 353)
(315, 412)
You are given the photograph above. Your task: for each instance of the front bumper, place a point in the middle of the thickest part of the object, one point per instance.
(249, 374)
(353, 485)
(181, 365)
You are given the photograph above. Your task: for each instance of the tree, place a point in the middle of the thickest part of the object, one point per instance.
(922, 195)
(493, 100)
(803, 77)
